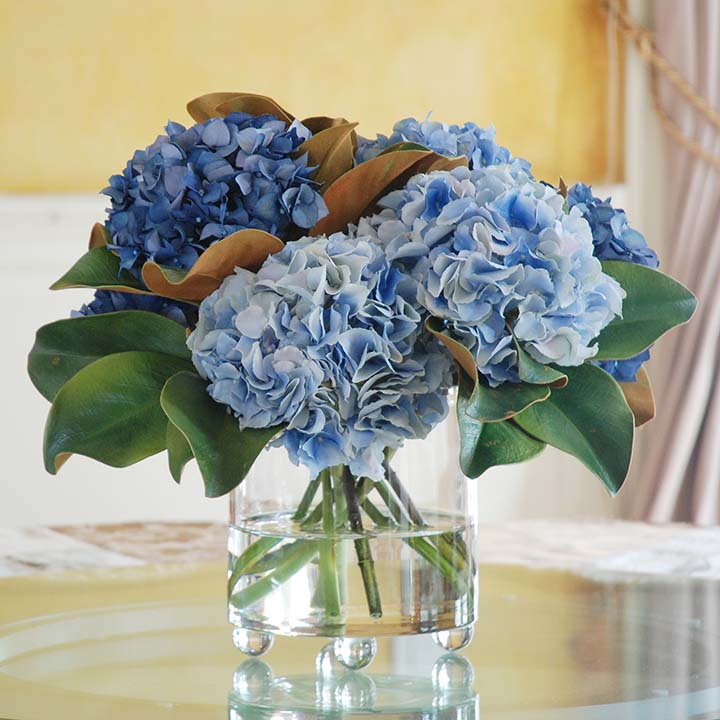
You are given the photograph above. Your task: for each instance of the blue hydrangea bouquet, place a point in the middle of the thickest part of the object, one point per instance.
(262, 280)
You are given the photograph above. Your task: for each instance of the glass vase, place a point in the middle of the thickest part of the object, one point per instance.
(351, 558)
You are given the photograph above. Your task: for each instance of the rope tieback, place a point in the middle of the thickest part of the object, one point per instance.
(644, 41)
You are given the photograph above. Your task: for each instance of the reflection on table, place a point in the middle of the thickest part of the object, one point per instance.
(142, 641)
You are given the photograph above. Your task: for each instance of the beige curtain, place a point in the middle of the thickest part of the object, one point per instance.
(681, 479)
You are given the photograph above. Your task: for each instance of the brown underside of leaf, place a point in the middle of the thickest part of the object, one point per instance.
(205, 107)
(331, 150)
(355, 192)
(639, 396)
(440, 162)
(253, 105)
(318, 123)
(61, 459)
(98, 236)
(563, 188)
(246, 249)
(461, 354)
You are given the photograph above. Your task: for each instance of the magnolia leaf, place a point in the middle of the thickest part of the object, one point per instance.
(179, 452)
(355, 192)
(485, 445)
(655, 303)
(110, 410)
(461, 354)
(99, 236)
(331, 151)
(246, 249)
(434, 162)
(535, 373)
(404, 145)
(224, 453)
(488, 404)
(64, 347)
(99, 268)
(318, 123)
(205, 107)
(639, 396)
(590, 419)
(440, 162)
(253, 105)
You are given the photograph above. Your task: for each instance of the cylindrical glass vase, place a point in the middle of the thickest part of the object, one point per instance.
(346, 557)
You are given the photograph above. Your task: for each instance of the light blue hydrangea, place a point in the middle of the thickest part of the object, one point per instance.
(494, 254)
(476, 143)
(614, 239)
(194, 186)
(327, 340)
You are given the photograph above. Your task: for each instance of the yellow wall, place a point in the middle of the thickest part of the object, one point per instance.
(85, 82)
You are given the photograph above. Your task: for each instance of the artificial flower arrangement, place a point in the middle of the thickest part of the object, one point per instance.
(262, 280)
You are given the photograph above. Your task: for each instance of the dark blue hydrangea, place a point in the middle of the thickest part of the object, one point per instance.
(107, 301)
(476, 143)
(614, 239)
(625, 370)
(194, 186)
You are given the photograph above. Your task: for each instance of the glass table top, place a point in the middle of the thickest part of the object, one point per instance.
(152, 642)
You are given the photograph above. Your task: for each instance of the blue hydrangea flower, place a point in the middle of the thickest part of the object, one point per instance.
(326, 339)
(476, 143)
(614, 239)
(625, 370)
(494, 254)
(194, 186)
(107, 301)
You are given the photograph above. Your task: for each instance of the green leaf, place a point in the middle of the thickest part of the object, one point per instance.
(64, 347)
(484, 445)
(99, 268)
(655, 303)
(179, 452)
(224, 453)
(590, 419)
(110, 410)
(535, 373)
(488, 404)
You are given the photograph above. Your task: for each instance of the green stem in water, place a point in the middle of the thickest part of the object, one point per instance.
(444, 556)
(255, 558)
(362, 546)
(431, 553)
(328, 568)
(377, 516)
(307, 498)
(303, 551)
(450, 545)
(364, 487)
(248, 560)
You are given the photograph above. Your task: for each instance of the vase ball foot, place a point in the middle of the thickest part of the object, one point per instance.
(451, 674)
(355, 653)
(455, 639)
(355, 691)
(252, 642)
(326, 663)
(253, 681)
